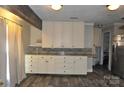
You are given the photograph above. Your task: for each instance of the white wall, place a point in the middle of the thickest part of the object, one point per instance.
(88, 35)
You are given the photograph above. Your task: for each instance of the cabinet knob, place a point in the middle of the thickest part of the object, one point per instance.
(47, 61)
(31, 70)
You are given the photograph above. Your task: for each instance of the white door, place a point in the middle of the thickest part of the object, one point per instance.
(78, 35)
(59, 65)
(42, 64)
(47, 34)
(67, 35)
(51, 64)
(58, 30)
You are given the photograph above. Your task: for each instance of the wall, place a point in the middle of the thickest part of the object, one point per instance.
(25, 25)
(118, 31)
(88, 33)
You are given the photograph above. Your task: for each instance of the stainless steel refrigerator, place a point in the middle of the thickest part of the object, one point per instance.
(118, 56)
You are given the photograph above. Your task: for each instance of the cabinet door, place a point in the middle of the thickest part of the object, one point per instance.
(59, 65)
(58, 30)
(47, 35)
(42, 64)
(51, 65)
(67, 35)
(78, 35)
(80, 66)
(68, 65)
(36, 35)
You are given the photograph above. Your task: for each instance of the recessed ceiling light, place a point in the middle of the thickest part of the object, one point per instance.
(113, 7)
(56, 7)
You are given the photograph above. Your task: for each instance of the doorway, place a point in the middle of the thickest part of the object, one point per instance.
(106, 49)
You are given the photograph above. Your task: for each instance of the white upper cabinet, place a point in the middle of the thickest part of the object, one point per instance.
(47, 34)
(63, 35)
(35, 37)
(67, 35)
(58, 30)
(78, 35)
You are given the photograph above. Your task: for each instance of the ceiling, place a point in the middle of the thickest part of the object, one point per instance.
(88, 13)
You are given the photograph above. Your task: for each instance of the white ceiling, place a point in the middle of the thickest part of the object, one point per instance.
(88, 13)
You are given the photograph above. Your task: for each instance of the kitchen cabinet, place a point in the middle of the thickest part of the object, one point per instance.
(67, 35)
(49, 64)
(58, 30)
(77, 34)
(59, 65)
(47, 34)
(63, 34)
(42, 64)
(31, 64)
(80, 66)
(35, 37)
(68, 65)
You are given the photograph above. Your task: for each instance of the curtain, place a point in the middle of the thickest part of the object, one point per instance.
(3, 51)
(16, 54)
(21, 57)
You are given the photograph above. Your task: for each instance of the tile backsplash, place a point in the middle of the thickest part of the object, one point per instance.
(59, 51)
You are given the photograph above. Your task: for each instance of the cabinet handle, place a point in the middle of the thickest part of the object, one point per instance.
(30, 65)
(47, 61)
(31, 70)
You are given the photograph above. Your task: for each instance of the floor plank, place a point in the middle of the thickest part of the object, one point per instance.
(97, 78)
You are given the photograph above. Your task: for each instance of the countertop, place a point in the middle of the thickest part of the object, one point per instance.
(88, 55)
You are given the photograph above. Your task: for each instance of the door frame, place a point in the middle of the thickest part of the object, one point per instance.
(110, 49)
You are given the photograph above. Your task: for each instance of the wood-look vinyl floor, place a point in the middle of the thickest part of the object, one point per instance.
(98, 78)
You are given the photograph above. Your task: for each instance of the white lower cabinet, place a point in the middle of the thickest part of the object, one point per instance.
(46, 64)
(42, 64)
(59, 65)
(80, 65)
(50, 65)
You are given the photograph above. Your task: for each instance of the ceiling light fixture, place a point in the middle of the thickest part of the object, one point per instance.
(56, 7)
(113, 7)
